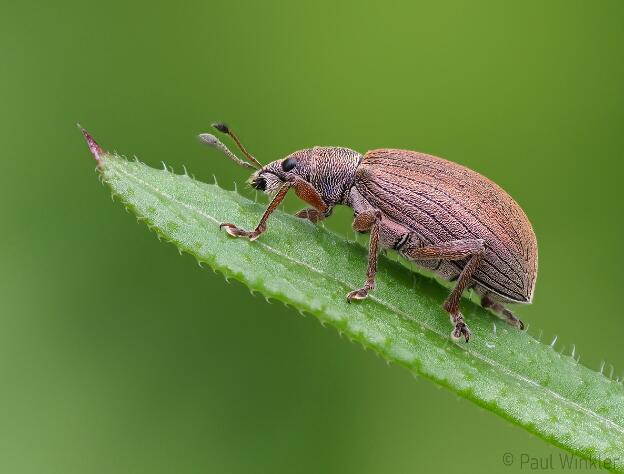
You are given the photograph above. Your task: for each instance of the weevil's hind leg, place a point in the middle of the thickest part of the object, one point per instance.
(473, 250)
(365, 221)
(490, 303)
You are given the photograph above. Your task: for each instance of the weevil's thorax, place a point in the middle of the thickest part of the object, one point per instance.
(331, 170)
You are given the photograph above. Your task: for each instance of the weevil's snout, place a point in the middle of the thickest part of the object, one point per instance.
(258, 182)
(266, 181)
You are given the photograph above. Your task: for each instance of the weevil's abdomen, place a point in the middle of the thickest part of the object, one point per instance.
(439, 201)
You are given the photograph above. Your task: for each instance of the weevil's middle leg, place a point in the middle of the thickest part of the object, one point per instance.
(365, 221)
(474, 250)
(501, 311)
(452, 302)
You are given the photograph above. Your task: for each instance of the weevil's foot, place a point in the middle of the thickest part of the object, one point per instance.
(312, 215)
(360, 294)
(512, 319)
(235, 231)
(520, 325)
(461, 328)
(502, 312)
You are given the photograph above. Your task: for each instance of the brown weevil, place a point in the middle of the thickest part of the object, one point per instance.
(440, 215)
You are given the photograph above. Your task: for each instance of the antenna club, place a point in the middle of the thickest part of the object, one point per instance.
(253, 163)
(208, 139)
(223, 128)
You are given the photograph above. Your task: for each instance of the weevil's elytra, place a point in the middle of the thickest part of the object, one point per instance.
(436, 213)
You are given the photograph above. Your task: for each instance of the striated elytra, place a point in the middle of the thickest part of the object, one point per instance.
(436, 213)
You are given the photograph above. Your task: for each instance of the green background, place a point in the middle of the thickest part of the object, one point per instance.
(118, 355)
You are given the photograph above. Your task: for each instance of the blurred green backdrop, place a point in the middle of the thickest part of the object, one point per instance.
(118, 355)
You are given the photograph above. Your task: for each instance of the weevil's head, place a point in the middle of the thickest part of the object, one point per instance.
(330, 170)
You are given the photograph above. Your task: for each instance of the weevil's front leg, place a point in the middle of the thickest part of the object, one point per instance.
(474, 250)
(308, 193)
(303, 189)
(234, 231)
(365, 221)
(313, 215)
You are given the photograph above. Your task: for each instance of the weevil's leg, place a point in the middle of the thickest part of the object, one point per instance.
(308, 193)
(488, 302)
(310, 214)
(303, 189)
(313, 215)
(473, 250)
(365, 221)
(234, 231)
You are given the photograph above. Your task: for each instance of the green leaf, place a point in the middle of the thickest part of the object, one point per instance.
(501, 369)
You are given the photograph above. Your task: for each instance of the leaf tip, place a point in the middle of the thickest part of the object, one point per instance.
(95, 149)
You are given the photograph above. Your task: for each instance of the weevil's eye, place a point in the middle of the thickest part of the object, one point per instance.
(288, 164)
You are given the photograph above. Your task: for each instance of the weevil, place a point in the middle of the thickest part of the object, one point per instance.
(441, 215)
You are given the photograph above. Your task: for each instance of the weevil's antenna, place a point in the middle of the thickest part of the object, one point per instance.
(223, 128)
(211, 140)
